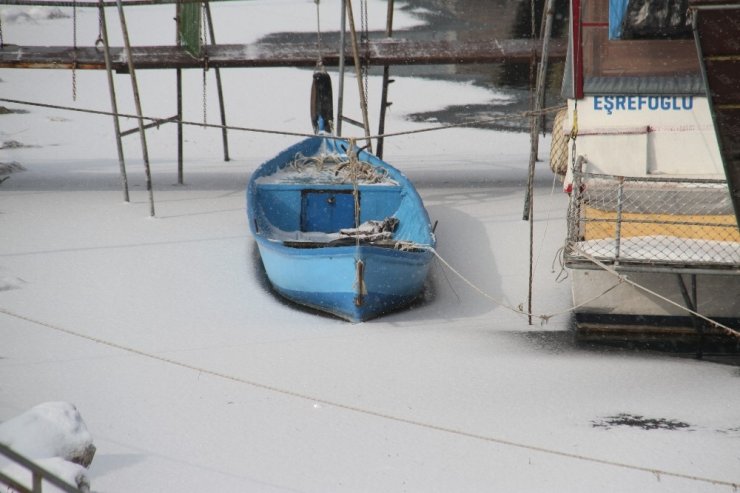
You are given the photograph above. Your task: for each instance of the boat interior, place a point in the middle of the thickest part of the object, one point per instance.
(319, 215)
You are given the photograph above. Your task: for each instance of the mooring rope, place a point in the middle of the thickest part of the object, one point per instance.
(620, 279)
(157, 120)
(518, 309)
(658, 473)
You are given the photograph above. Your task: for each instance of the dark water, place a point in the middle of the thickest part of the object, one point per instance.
(486, 19)
(471, 20)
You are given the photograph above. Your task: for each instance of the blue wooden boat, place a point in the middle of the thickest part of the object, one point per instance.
(340, 231)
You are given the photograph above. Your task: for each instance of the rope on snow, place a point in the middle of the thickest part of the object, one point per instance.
(376, 414)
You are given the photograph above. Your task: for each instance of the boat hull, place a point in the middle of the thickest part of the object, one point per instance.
(629, 312)
(327, 278)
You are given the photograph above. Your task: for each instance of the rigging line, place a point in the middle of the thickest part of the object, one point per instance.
(727, 330)
(376, 414)
(547, 222)
(160, 120)
(318, 33)
(543, 317)
(483, 121)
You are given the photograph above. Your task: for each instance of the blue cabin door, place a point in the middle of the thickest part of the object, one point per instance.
(327, 211)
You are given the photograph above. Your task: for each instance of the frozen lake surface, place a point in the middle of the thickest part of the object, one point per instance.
(191, 375)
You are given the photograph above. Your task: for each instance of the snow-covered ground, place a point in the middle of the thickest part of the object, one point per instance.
(192, 376)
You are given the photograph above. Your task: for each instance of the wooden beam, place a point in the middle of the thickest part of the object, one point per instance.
(380, 52)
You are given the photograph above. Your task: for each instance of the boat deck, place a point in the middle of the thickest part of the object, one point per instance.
(651, 222)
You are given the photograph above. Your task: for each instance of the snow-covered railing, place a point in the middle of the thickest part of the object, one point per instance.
(38, 475)
(652, 221)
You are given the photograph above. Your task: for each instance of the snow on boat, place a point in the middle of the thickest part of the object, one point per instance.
(340, 230)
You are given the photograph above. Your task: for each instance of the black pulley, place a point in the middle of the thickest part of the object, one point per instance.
(322, 100)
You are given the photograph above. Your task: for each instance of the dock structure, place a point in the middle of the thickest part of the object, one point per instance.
(381, 52)
(196, 48)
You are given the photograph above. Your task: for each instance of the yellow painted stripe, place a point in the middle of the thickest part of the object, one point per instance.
(601, 224)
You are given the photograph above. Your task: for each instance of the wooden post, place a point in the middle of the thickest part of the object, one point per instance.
(178, 76)
(219, 87)
(356, 54)
(137, 102)
(386, 81)
(534, 136)
(576, 37)
(180, 153)
(113, 103)
(340, 90)
(535, 119)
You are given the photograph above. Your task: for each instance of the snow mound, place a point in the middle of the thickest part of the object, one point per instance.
(55, 437)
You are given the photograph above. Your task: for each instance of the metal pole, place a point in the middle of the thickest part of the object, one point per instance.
(137, 102)
(699, 323)
(534, 136)
(113, 103)
(36, 479)
(219, 87)
(384, 104)
(180, 153)
(693, 305)
(618, 225)
(356, 54)
(178, 75)
(535, 126)
(340, 97)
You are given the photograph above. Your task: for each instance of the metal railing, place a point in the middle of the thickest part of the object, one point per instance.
(652, 222)
(38, 475)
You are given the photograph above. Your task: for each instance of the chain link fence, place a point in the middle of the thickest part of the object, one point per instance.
(654, 221)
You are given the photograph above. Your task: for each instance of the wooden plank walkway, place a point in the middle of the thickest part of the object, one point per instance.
(380, 52)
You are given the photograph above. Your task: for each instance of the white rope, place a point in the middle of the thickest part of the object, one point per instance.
(620, 279)
(543, 317)
(377, 414)
(547, 225)
(472, 123)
